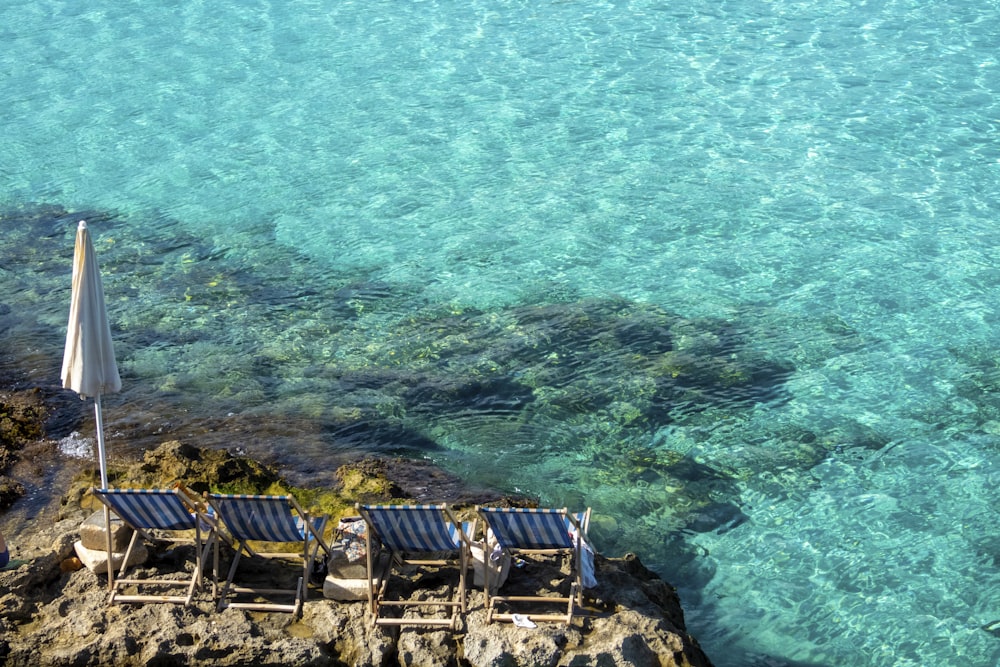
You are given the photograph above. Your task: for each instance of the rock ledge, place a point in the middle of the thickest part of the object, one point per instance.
(54, 614)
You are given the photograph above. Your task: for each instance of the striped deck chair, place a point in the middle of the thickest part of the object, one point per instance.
(536, 532)
(269, 520)
(159, 515)
(419, 535)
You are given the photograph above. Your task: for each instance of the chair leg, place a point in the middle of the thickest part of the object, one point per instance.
(577, 568)
(300, 597)
(215, 567)
(462, 583)
(486, 575)
(371, 574)
(574, 595)
(196, 577)
(111, 570)
(202, 559)
(379, 592)
(304, 579)
(115, 583)
(229, 579)
(309, 564)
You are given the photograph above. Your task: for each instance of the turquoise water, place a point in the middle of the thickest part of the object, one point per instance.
(288, 199)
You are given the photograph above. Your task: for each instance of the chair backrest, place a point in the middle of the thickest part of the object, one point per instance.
(523, 528)
(414, 527)
(158, 509)
(259, 518)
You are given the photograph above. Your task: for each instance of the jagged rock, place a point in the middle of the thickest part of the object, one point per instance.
(201, 469)
(49, 617)
(507, 645)
(22, 419)
(630, 639)
(431, 648)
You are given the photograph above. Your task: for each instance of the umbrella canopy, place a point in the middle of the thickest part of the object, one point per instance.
(89, 366)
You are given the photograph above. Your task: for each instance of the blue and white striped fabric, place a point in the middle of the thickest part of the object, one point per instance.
(523, 528)
(259, 518)
(159, 509)
(414, 527)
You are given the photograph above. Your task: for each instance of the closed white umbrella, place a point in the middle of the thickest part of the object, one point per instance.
(89, 366)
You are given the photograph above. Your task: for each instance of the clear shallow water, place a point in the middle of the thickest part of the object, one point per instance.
(287, 200)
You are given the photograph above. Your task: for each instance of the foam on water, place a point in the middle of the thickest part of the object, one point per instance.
(282, 185)
(76, 446)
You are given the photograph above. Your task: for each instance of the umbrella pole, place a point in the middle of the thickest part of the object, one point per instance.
(102, 457)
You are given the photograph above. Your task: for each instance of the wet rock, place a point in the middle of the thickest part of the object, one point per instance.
(22, 422)
(10, 491)
(22, 419)
(201, 469)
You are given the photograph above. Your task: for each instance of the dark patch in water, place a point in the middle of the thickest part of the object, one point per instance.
(399, 207)
(689, 470)
(716, 517)
(354, 299)
(48, 221)
(495, 395)
(561, 360)
(428, 394)
(69, 414)
(378, 435)
(688, 562)
(719, 367)
(645, 334)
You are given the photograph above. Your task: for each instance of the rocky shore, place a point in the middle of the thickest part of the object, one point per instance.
(55, 612)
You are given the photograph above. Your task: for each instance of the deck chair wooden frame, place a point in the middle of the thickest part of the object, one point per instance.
(159, 515)
(536, 532)
(415, 535)
(268, 520)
